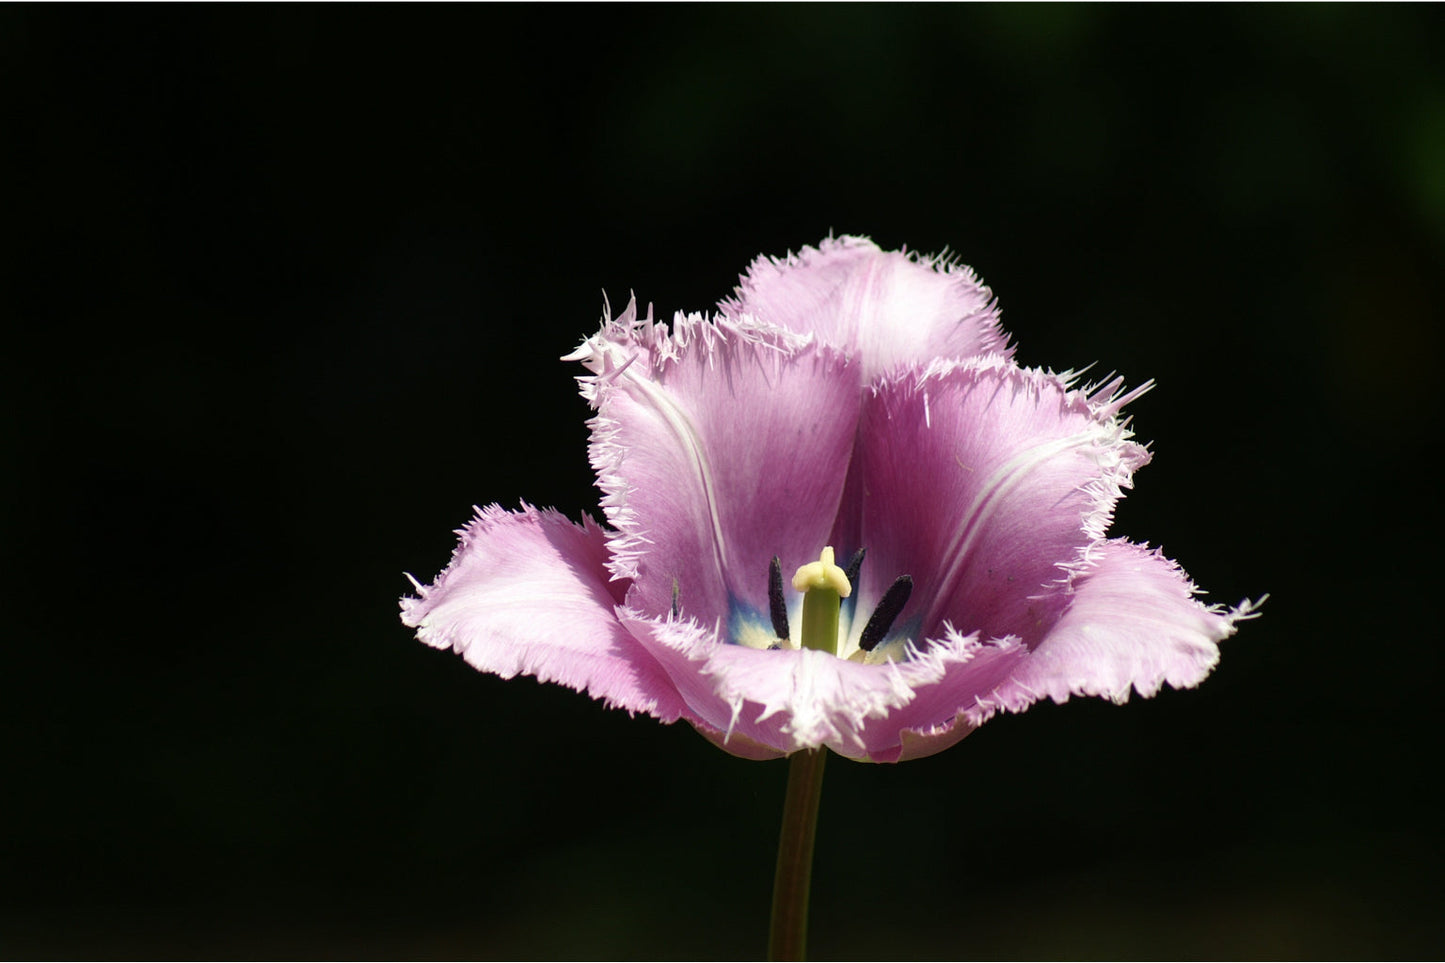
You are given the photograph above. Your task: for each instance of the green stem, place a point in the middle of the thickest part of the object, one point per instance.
(788, 936)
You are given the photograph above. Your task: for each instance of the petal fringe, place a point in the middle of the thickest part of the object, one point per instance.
(528, 593)
(888, 308)
(1132, 622)
(717, 446)
(787, 700)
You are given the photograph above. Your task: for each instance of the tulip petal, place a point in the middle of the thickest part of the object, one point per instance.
(529, 593)
(1132, 621)
(785, 700)
(737, 744)
(935, 719)
(985, 482)
(717, 446)
(888, 308)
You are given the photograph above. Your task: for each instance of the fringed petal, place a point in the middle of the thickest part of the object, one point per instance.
(717, 446)
(887, 308)
(529, 593)
(985, 482)
(1132, 621)
(785, 700)
(935, 719)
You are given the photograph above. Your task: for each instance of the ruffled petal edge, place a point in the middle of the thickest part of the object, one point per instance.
(528, 593)
(893, 308)
(782, 701)
(1132, 623)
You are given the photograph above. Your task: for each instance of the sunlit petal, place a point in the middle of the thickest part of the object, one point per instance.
(984, 481)
(887, 308)
(1132, 621)
(528, 593)
(717, 447)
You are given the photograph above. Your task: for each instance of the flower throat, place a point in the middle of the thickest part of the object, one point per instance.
(824, 586)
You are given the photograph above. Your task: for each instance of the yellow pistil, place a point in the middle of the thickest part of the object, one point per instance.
(823, 585)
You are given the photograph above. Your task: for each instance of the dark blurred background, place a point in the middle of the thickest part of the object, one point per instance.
(285, 290)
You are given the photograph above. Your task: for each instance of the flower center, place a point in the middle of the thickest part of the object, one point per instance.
(824, 586)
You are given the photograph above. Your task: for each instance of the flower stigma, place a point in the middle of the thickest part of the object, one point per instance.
(824, 585)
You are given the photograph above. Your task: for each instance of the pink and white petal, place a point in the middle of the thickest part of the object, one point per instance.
(529, 593)
(717, 447)
(681, 648)
(811, 698)
(698, 661)
(788, 699)
(985, 482)
(1132, 621)
(936, 717)
(889, 308)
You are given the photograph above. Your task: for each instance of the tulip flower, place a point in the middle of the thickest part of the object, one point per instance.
(838, 514)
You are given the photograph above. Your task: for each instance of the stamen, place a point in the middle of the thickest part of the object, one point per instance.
(888, 608)
(854, 564)
(676, 603)
(777, 608)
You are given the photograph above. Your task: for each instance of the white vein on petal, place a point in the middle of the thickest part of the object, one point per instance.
(636, 352)
(1107, 439)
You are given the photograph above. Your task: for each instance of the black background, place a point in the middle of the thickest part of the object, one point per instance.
(285, 290)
